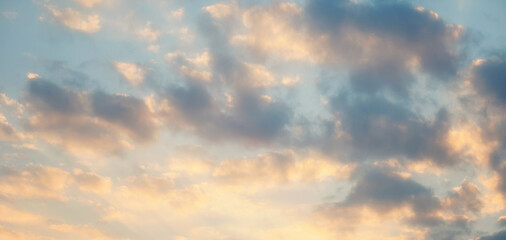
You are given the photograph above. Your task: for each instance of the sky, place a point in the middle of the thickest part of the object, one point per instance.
(252, 120)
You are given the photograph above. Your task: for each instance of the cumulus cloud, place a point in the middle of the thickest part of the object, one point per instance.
(392, 195)
(250, 117)
(76, 20)
(385, 191)
(88, 122)
(127, 112)
(272, 30)
(362, 36)
(487, 77)
(380, 57)
(196, 68)
(293, 104)
(465, 198)
(375, 128)
(149, 33)
(422, 36)
(457, 228)
(131, 72)
(244, 113)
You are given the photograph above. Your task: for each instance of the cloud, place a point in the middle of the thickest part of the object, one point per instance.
(149, 33)
(33, 182)
(277, 168)
(374, 128)
(488, 78)
(178, 14)
(76, 20)
(421, 36)
(196, 68)
(222, 10)
(88, 123)
(12, 215)
(46, 96)
(32, 76)
(272, 30)
(502, 221)
(364, 38)
(250, 117)
(457, 228)
(246, 114)
(9, 234)
(129, 113)
(91, 182)
(465, 198)
(385, 191)
(161, 192)
(131, 72)
(81, 232)
(469, 138)
(7, 132)
(496, 236)
(392, 196)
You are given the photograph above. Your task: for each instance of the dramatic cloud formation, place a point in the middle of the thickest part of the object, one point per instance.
(247, 120)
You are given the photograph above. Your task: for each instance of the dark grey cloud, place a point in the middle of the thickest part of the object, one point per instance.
(382, 45)
(373, 77)
(496, 163)
(250, 117)
(384, 191)
(489, 78)
(397, 33)
(94, 120)
(376, 128)
(496, 236)
(126, 111)
(455, 229)
(47, 96)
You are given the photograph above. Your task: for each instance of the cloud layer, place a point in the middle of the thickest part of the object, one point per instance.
(322, 119)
